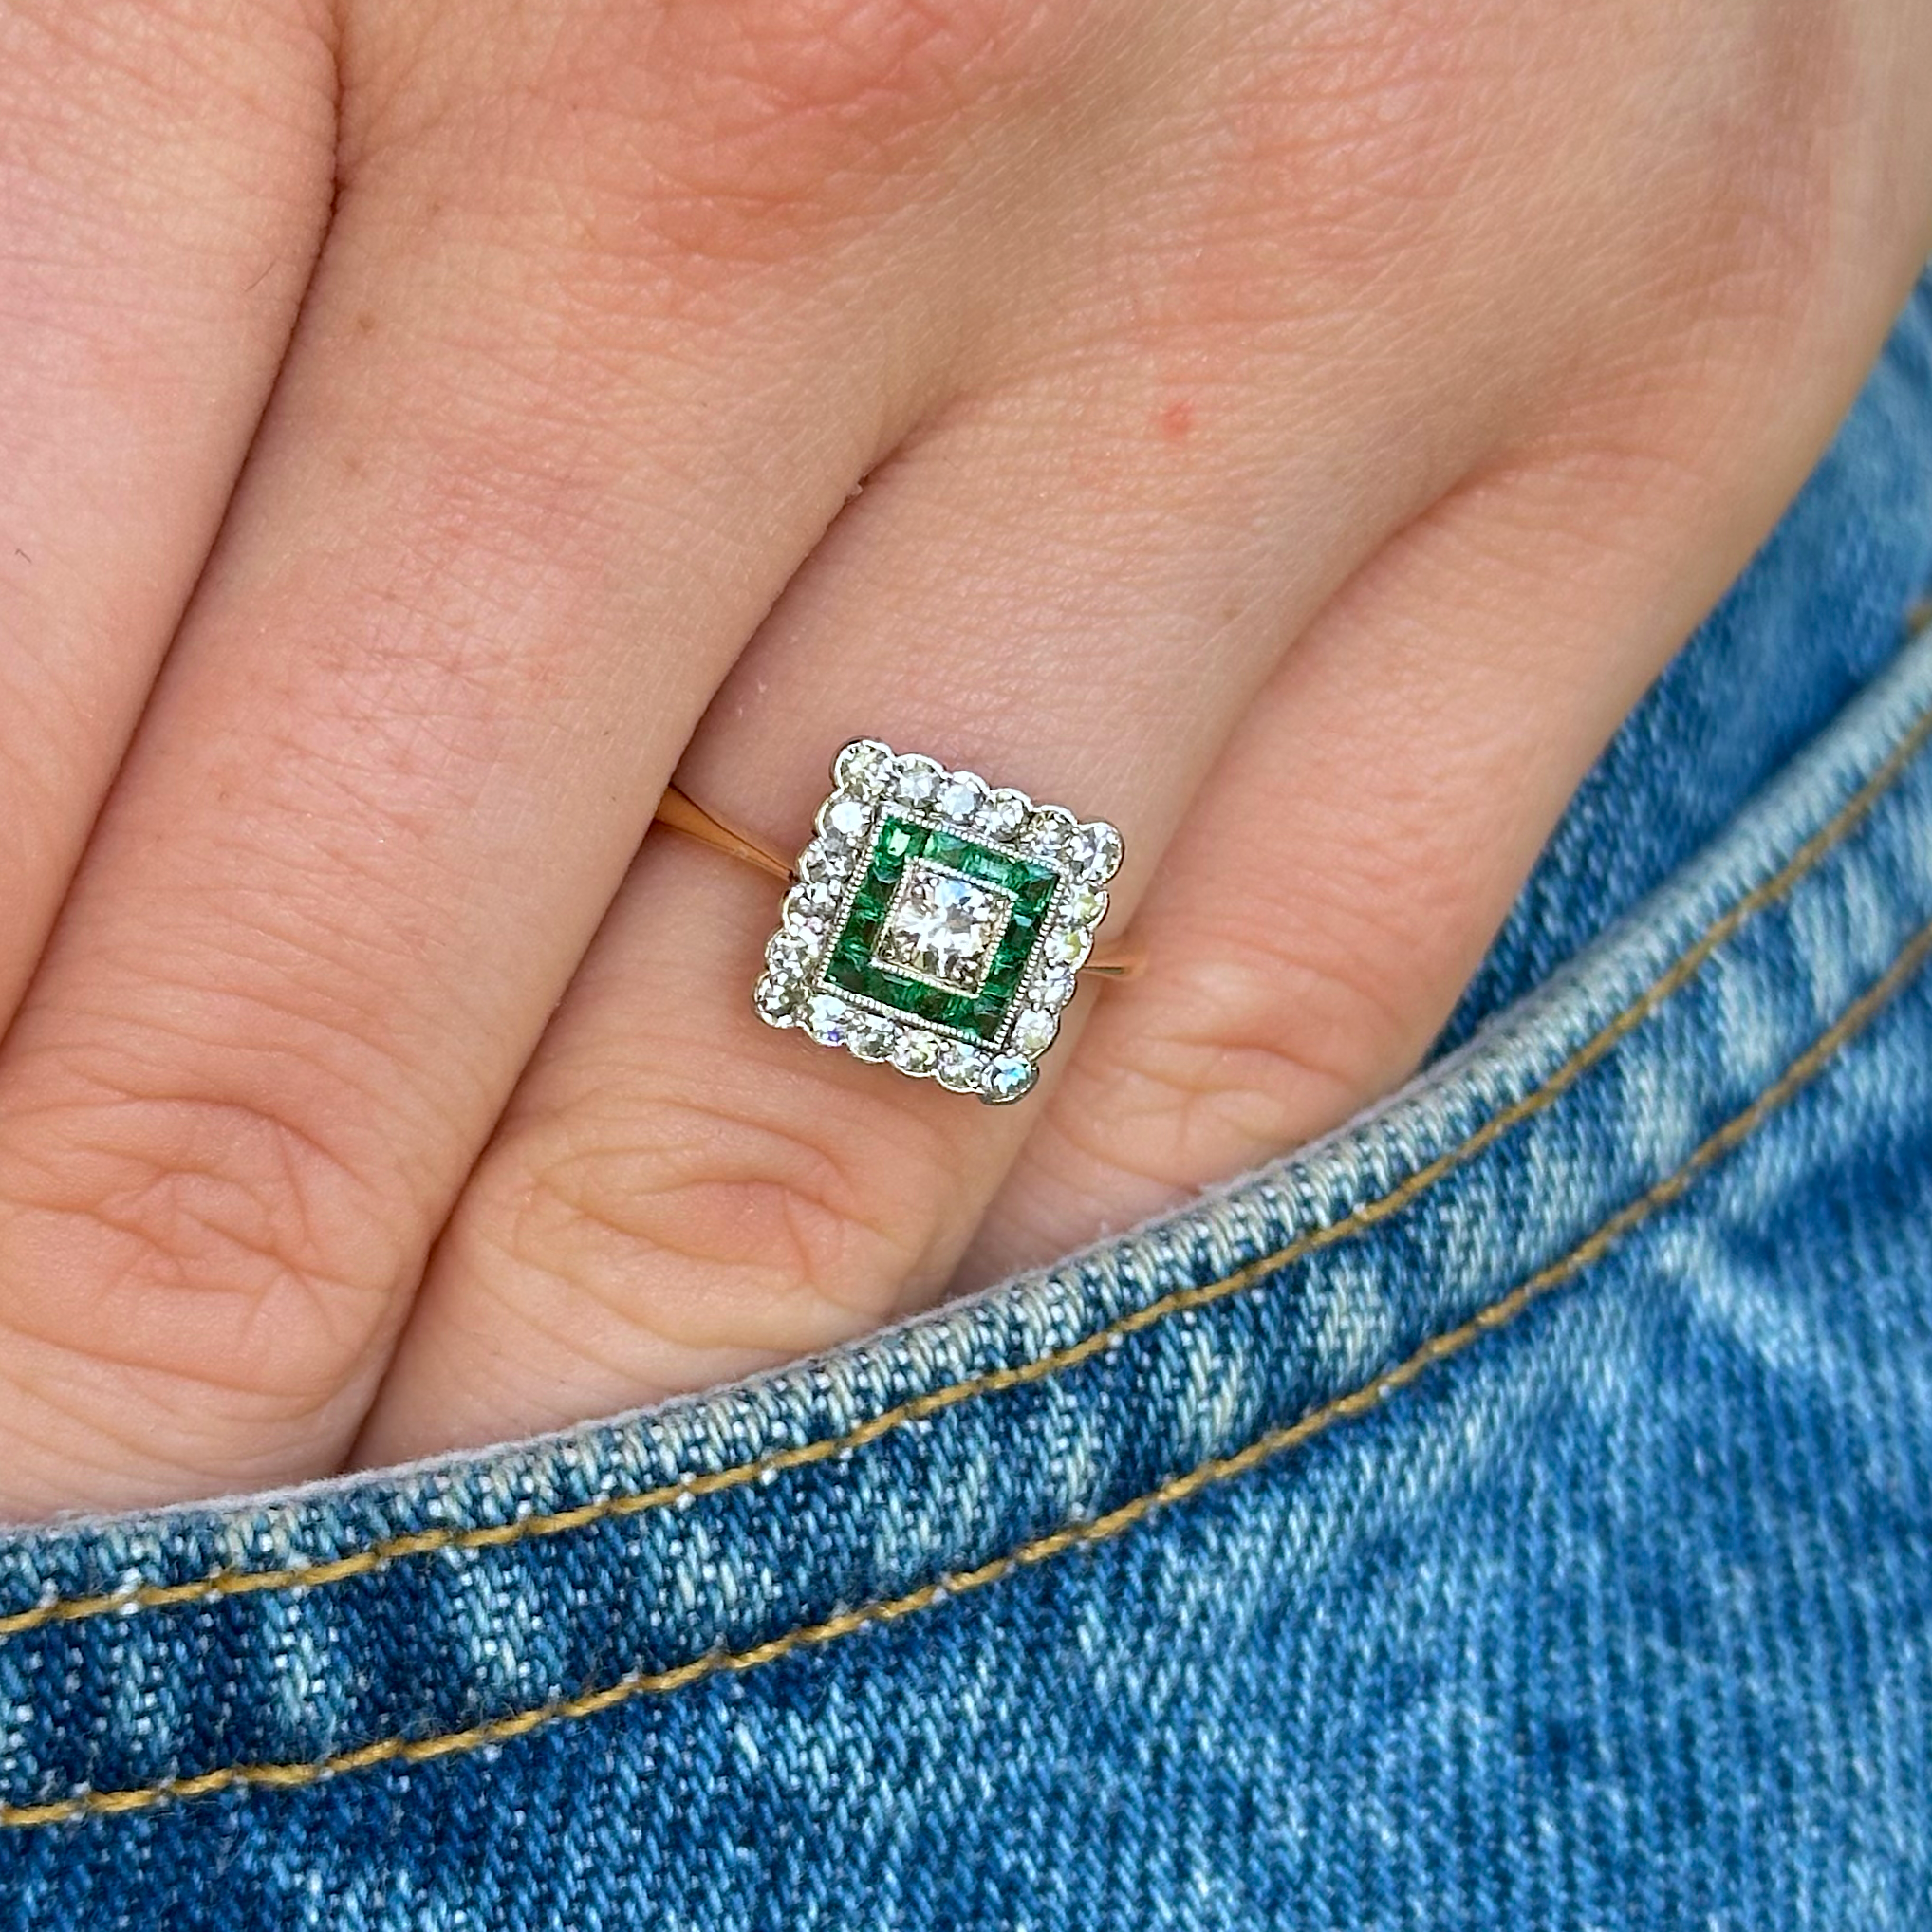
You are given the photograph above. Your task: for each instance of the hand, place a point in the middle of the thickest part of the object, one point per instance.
(1296, 431)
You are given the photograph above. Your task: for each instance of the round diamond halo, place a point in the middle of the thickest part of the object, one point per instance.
(939, 923)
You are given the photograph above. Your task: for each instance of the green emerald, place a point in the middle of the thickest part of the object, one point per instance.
(851, 966)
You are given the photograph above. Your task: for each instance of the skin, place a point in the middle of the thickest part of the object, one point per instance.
(1297, 432)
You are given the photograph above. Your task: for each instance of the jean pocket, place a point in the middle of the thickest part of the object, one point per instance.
(1513, 1508)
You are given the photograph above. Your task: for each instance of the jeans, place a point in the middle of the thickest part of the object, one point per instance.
(1515, 1510)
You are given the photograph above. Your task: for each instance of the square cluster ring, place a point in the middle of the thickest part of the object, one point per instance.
(937, 924)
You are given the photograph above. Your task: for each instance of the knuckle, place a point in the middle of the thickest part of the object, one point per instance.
(1771, 160)
(1251, 1050)
(727, 131)
(1364, 127)
(703, 1225)
(213, 1237)
(887, 64)
(1411, 132)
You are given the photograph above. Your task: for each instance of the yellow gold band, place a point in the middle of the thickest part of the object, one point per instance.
(1125, 959)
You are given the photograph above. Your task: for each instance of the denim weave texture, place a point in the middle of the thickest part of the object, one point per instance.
(1514, 1510)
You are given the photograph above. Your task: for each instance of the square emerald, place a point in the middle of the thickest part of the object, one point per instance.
(855, 965)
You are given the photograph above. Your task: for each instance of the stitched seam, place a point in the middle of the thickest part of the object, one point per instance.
(392, 1550)
(1358, 1401)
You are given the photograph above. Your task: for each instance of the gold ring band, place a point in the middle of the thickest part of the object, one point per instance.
(1125, 958)
(932, 921)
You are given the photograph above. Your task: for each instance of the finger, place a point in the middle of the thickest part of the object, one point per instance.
(489, 560)
(677, 1192)
(164, 181)
(1073, 592)
(673, 1197)
(1338, 882)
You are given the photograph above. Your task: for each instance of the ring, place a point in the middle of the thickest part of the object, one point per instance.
(934, 923)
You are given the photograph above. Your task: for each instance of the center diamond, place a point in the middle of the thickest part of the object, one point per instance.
(943, 926)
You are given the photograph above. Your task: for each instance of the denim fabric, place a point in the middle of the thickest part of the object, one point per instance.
(1514, 1510)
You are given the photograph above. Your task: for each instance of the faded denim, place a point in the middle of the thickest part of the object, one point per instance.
(1514, 1510)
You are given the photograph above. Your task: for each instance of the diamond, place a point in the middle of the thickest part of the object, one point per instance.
(1046, 832)
(872, 1037)
(824, 863)
(1032, 1033)
(916, 780)
(828, 1020)
(844, 819)
(1094, 852)
(777, 998)
(1003, 814)
(959, 798)
(1054, 987)
(863, 767)
(808, 907)
(1068, 946)
(789, 956)
(1007, 1078)
(943, 926)
(937, 924)
(915, 1052)
(959, 1066)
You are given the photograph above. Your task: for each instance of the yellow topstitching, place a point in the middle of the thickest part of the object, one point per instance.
(378, 1555)
(1358, 1401)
